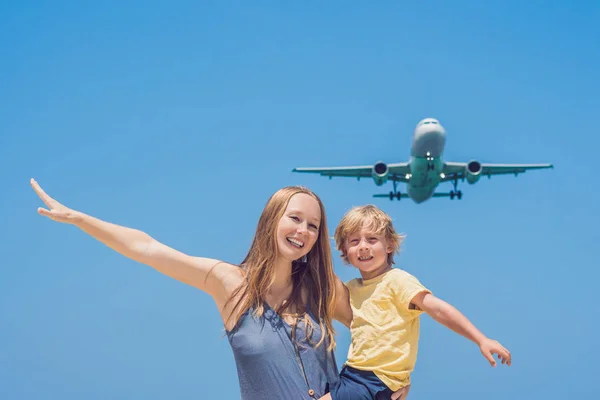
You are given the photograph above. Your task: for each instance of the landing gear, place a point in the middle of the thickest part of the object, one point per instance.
(395, 193)
(455, 193)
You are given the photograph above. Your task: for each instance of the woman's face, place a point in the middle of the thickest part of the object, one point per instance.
(298, 228)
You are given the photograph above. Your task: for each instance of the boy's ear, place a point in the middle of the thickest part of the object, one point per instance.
(344, 255)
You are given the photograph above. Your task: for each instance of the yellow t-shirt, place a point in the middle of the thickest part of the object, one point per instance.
(385, 331)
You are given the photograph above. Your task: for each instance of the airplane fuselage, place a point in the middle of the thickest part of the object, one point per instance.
(426, 164)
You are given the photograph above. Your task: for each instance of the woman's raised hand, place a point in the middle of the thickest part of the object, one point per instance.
(55, 211)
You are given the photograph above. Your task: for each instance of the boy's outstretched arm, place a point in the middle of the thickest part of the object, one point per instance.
(453, 319)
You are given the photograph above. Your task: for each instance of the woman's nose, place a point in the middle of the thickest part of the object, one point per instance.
(302, 228)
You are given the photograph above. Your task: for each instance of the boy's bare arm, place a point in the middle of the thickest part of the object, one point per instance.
(453, 319)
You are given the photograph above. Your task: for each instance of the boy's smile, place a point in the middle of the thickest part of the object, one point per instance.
(368, 252)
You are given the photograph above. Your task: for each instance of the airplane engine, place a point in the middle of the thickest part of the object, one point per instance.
(473, 172)
(380, 173)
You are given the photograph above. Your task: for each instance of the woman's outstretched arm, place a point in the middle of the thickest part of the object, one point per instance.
(141, 247)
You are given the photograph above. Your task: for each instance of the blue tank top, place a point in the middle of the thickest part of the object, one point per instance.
(269, 366)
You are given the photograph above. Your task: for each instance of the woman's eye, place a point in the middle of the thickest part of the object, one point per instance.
(314, 227)
(294, 218)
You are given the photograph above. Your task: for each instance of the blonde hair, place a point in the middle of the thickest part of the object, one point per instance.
(316, 276)
(375, 220)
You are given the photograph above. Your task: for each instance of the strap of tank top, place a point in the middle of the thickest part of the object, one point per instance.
(311, 392)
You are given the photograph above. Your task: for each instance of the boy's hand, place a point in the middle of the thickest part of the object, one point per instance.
(490, 347)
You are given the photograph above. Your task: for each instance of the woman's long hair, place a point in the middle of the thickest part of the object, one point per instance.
(315, 276)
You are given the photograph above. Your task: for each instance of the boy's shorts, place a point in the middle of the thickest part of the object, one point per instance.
(355, 384)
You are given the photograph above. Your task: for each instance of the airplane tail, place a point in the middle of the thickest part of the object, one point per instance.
(452, 194)
(392, 195)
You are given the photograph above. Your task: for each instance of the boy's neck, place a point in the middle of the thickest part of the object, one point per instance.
(366, 275)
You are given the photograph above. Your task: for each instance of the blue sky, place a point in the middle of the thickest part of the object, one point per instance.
(182, 118)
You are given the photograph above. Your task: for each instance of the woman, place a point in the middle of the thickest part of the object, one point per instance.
(277, 306)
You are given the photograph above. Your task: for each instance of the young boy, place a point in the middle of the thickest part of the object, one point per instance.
(386, 304)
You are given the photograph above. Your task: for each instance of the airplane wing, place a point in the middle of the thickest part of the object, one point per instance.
(457, 170)
(397, 171)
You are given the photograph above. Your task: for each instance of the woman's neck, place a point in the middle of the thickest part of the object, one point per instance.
(283, 276)
(282, 286)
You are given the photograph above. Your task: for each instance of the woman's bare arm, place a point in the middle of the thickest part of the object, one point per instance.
(343, 311)
(141, 247)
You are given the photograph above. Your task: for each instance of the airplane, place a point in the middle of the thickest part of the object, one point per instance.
(425, 169)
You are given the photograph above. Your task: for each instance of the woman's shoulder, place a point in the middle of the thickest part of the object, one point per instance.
(224, 268)
(225, 278)
(230, 274)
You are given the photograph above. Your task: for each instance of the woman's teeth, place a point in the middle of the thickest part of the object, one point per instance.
(295, 242)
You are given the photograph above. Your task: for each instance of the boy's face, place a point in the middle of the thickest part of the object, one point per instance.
(368, 252)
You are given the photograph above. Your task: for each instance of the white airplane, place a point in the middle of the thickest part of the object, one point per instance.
(425, 169)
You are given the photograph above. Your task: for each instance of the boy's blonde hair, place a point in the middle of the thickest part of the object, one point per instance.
(373, 219)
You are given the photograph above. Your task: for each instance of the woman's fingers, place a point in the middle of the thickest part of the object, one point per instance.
(43, 211)
(55, 210)
(401, 393)
(57, 216)
(40, 192)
